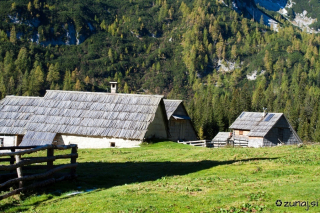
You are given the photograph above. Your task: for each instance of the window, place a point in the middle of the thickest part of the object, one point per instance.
(112, 144)
(240, 132)
(1, 142)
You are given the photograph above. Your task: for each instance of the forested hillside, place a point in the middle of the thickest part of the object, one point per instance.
(201, 51)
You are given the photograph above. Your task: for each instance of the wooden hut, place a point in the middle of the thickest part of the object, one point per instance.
(91, 120)
(254, 129)
(221, 139)
(97, 120)
(180, 125)
(15, 113)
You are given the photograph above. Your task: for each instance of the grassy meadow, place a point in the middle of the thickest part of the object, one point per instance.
(170, 177)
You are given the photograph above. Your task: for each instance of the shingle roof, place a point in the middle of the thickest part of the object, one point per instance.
(15, 113)
(258, 125)
(37, 138)
(222, 136)
(95, 114)
(171, 106)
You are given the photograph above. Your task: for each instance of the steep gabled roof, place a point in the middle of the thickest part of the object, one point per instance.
(258, 125)
(95, 114)
(171, 106)
(15, 113)
(265, 125)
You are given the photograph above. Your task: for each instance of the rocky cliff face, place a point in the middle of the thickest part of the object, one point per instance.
(273, 5)
(304, 20)
(69, 37)
(250, 8)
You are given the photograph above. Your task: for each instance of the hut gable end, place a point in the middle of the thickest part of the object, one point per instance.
(180, 125)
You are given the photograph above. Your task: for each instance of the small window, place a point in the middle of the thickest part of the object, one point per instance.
(1, 142)
(240, 132)
(112, 144)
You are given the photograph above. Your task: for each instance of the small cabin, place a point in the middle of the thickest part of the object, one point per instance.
(179, 122)
(255, 129)
(221, 139)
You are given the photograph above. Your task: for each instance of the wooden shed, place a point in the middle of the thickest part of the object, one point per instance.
(15, 113)
(91, 119)
(180, 125)
(254, 129)
(221, 139)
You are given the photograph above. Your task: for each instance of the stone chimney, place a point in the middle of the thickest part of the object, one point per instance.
(264, 112)
(113, 87)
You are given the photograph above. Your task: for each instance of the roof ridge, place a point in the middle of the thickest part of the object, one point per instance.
(14, 96)
(172, 100)
(104, 93)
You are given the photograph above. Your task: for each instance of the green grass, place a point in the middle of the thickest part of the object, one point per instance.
(169, 177)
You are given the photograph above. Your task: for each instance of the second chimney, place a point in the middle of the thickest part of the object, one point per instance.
(113, 87)
(265, 112)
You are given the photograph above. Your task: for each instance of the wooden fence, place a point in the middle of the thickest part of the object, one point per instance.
(202, 143)
(20, 174)
(240, 142)
(218, 144)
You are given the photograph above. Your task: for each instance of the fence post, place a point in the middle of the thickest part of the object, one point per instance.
(12, 160)
(19, 170)
(73, 161)
(50, 153)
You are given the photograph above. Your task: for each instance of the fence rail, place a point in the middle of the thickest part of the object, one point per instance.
(216, 144)
(202, 143)
(240, 142)
(20, 165)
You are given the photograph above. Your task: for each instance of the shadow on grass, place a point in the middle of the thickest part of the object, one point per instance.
(102, 175)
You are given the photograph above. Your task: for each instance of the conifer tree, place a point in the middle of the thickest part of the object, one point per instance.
(234, 52)
(36, 4)
(22, 61)
(11, 86)
(258, 99)
(13, 6)
(110, 55)
(200, 133)
(87, 80)
(30, 7)
(67, 85)
(3, 36)
(25, 84)
(77, 86)
(13, 35)
(53, 74)
(126, 88)
(268, 61)
(3, 89)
